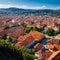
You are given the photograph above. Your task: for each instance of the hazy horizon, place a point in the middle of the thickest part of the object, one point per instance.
(31, 4)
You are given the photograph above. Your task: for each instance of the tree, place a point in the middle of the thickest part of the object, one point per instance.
(49, 31)
(28, 54)
(35, 28)
(6, 27)
(1, 37)
(11, 52)
(23, 24)
(28, 29)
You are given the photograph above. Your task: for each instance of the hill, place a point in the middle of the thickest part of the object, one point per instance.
(20, 11)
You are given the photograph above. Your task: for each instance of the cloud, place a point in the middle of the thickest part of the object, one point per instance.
(22, 6)
(5, 6)
(27, 7)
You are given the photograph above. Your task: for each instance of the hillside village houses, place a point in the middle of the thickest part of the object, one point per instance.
(48, 51)
(30, 38)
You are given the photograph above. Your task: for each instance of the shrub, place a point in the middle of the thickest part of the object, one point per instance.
(49, 31)
(10, 52)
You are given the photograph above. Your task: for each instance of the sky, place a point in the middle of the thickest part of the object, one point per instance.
(31, 4)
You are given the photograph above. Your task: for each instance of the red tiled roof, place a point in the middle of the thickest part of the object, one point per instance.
(17, 32)
(38, 46)
(54, 54)
(27, 39)
(21, 38)
(52, 46)
(38, 52)
(58, 36)
(54, 41)
(46, 54)
(36, 35)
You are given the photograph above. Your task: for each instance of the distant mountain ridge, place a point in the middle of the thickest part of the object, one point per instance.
(13, 10)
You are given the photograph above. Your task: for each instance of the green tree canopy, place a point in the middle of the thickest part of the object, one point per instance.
(8, 51)
(49, 31)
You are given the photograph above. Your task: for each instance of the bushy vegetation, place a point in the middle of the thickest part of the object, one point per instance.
(8, 51)
(49, 32)
(28, 29)
(23, 24)
(6, 27)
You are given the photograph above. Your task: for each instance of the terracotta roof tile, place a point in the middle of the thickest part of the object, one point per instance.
(54, 55)
(36, 35)
(46, 54)
(38, 46)
(27, 39)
